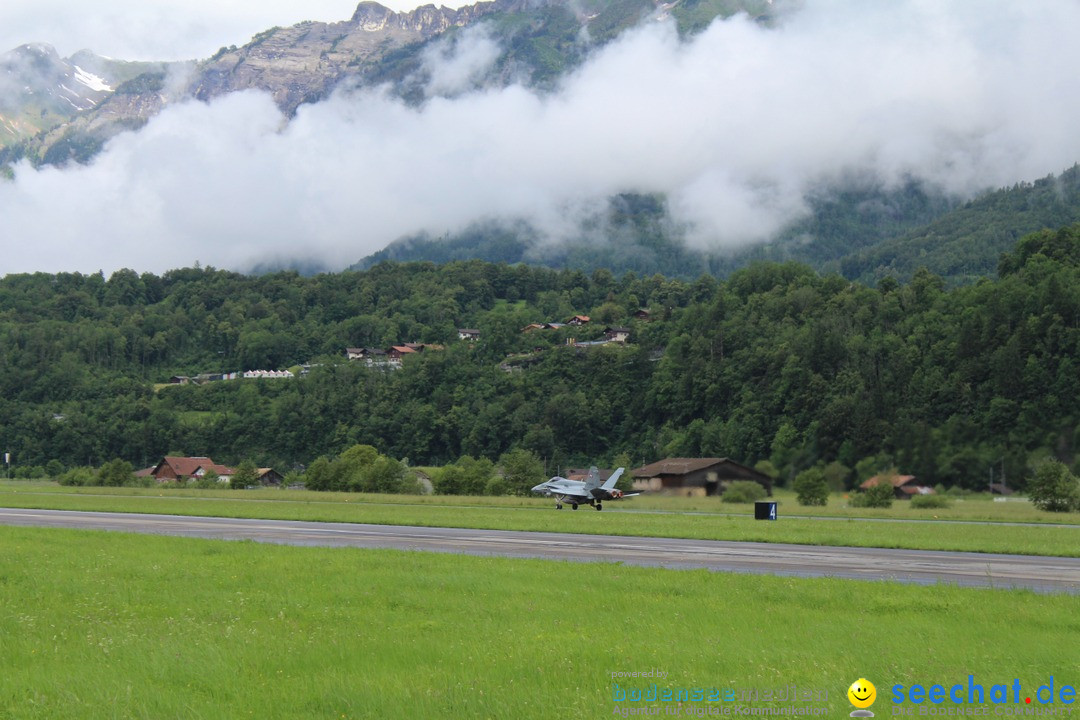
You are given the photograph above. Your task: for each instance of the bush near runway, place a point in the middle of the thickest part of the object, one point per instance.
(110, 625)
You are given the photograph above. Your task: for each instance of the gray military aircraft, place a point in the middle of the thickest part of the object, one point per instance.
(590, 492)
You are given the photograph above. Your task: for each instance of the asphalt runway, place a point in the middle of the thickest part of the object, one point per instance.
(1042, 574)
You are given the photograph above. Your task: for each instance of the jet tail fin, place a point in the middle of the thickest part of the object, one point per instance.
(613, 479)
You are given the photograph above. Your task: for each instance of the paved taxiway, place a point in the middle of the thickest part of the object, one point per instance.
(1043, 574)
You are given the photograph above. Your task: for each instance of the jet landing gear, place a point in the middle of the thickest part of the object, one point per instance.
(573, 506)
(599, 507)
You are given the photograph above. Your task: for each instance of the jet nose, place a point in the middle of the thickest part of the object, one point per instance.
(540, 488)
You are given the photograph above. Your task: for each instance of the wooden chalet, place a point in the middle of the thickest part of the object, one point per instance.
(181, 469)
(695, 476)
(270, 477)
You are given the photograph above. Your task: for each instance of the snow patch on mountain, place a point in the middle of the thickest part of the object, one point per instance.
(91, 81)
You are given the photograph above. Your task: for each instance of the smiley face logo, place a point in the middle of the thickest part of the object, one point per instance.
(862, 693)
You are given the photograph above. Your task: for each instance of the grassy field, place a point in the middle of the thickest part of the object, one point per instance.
(702, 518)
(101, 625)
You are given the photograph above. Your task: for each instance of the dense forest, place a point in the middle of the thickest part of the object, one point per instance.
(778, 362)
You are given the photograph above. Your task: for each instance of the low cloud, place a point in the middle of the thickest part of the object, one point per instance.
(455, 65)
(158, 30)
(735, 126)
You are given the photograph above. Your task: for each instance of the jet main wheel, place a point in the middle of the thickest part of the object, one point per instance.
(599, 506)
(574, 506)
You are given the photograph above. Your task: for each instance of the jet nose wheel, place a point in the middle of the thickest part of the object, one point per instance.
(558, 506)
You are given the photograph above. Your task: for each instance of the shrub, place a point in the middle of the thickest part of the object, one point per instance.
(1054, 488)
(384, 475)
(743, 491)
(879, 496)
(522, 470)
(116, 473)
(836, 475)
(811, 487)
(468, 476)
(927, 502)
(78, 477)
(499, 486)
(208, 481)
(245, 476)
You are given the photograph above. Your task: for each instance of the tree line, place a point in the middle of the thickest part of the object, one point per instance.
(778, 363)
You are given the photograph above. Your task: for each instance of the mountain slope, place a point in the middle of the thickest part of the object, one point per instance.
(39, 90)
(537, 43)
(967, 243)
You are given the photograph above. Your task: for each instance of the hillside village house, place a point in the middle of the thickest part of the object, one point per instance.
(394, 354)
(617, 334)
(695, 476)
(468, 334)
(263, 374)
(391, 358)
(578, 320)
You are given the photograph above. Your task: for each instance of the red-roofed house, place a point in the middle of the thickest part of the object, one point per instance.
(181, 469)
(397, 352)
(224, 472)
(904, 486)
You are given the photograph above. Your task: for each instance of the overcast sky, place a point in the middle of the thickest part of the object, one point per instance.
(160, 29)
(735, 127)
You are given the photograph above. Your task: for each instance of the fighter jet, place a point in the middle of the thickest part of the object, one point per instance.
(590, 492)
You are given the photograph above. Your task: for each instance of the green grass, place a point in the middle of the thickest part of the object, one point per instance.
(109, 625)
(721, 521)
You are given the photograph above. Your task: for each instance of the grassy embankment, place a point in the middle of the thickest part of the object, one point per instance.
(698, 518)
(99, 625)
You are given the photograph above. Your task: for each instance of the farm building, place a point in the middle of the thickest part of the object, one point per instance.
(269, 476)
(695, 476)
(174, 469)
(904, 486)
